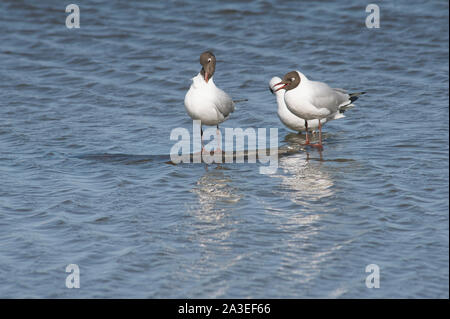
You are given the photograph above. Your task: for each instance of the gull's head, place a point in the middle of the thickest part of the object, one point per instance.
(290, 81)
(208, 62)
(272, 84)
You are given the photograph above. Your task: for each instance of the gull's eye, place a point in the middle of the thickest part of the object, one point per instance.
(292, 79)
(209, 60)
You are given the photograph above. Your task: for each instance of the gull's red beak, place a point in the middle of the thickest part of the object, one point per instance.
(206, 77)
(281, 87)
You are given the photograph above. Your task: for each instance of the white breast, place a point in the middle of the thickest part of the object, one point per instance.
(287, 117)
(203, 101)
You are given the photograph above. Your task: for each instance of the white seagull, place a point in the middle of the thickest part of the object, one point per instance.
(288, 118)
(312, 100)
(205, 101)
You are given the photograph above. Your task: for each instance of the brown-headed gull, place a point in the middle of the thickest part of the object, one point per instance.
(288, 118)
(205, 101)
(312, 100)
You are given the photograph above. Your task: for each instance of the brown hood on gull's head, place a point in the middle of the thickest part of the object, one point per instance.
(290, 81)
(208, 62)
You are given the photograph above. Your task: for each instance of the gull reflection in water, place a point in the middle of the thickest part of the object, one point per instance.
(310, 188)
(307, 186)
(213, 225)
(215, 199)
(306, 181)
(213, 191)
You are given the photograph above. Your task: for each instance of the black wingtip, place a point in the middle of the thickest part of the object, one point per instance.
(355, 96)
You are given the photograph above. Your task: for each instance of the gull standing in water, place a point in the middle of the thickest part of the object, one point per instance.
(205, 101)
(288, 118)
(312, 100)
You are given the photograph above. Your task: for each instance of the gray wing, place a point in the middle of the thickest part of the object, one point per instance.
(340, 90)
(322, 96)
(224, 103)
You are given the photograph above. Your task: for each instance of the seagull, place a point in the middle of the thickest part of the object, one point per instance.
(205, 101)
(312, 100)
(288, 118)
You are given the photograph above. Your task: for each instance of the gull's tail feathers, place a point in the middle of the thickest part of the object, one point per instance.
(352, 97)
(355, 96)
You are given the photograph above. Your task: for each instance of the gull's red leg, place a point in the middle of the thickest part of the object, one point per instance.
(307, 135)
(218, 140)
(319, 145)
(201, 138)
(320, 133)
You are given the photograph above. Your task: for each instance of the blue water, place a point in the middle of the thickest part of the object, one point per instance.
(86, 116)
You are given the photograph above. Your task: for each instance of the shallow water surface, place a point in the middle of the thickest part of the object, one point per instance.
(86, 116)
